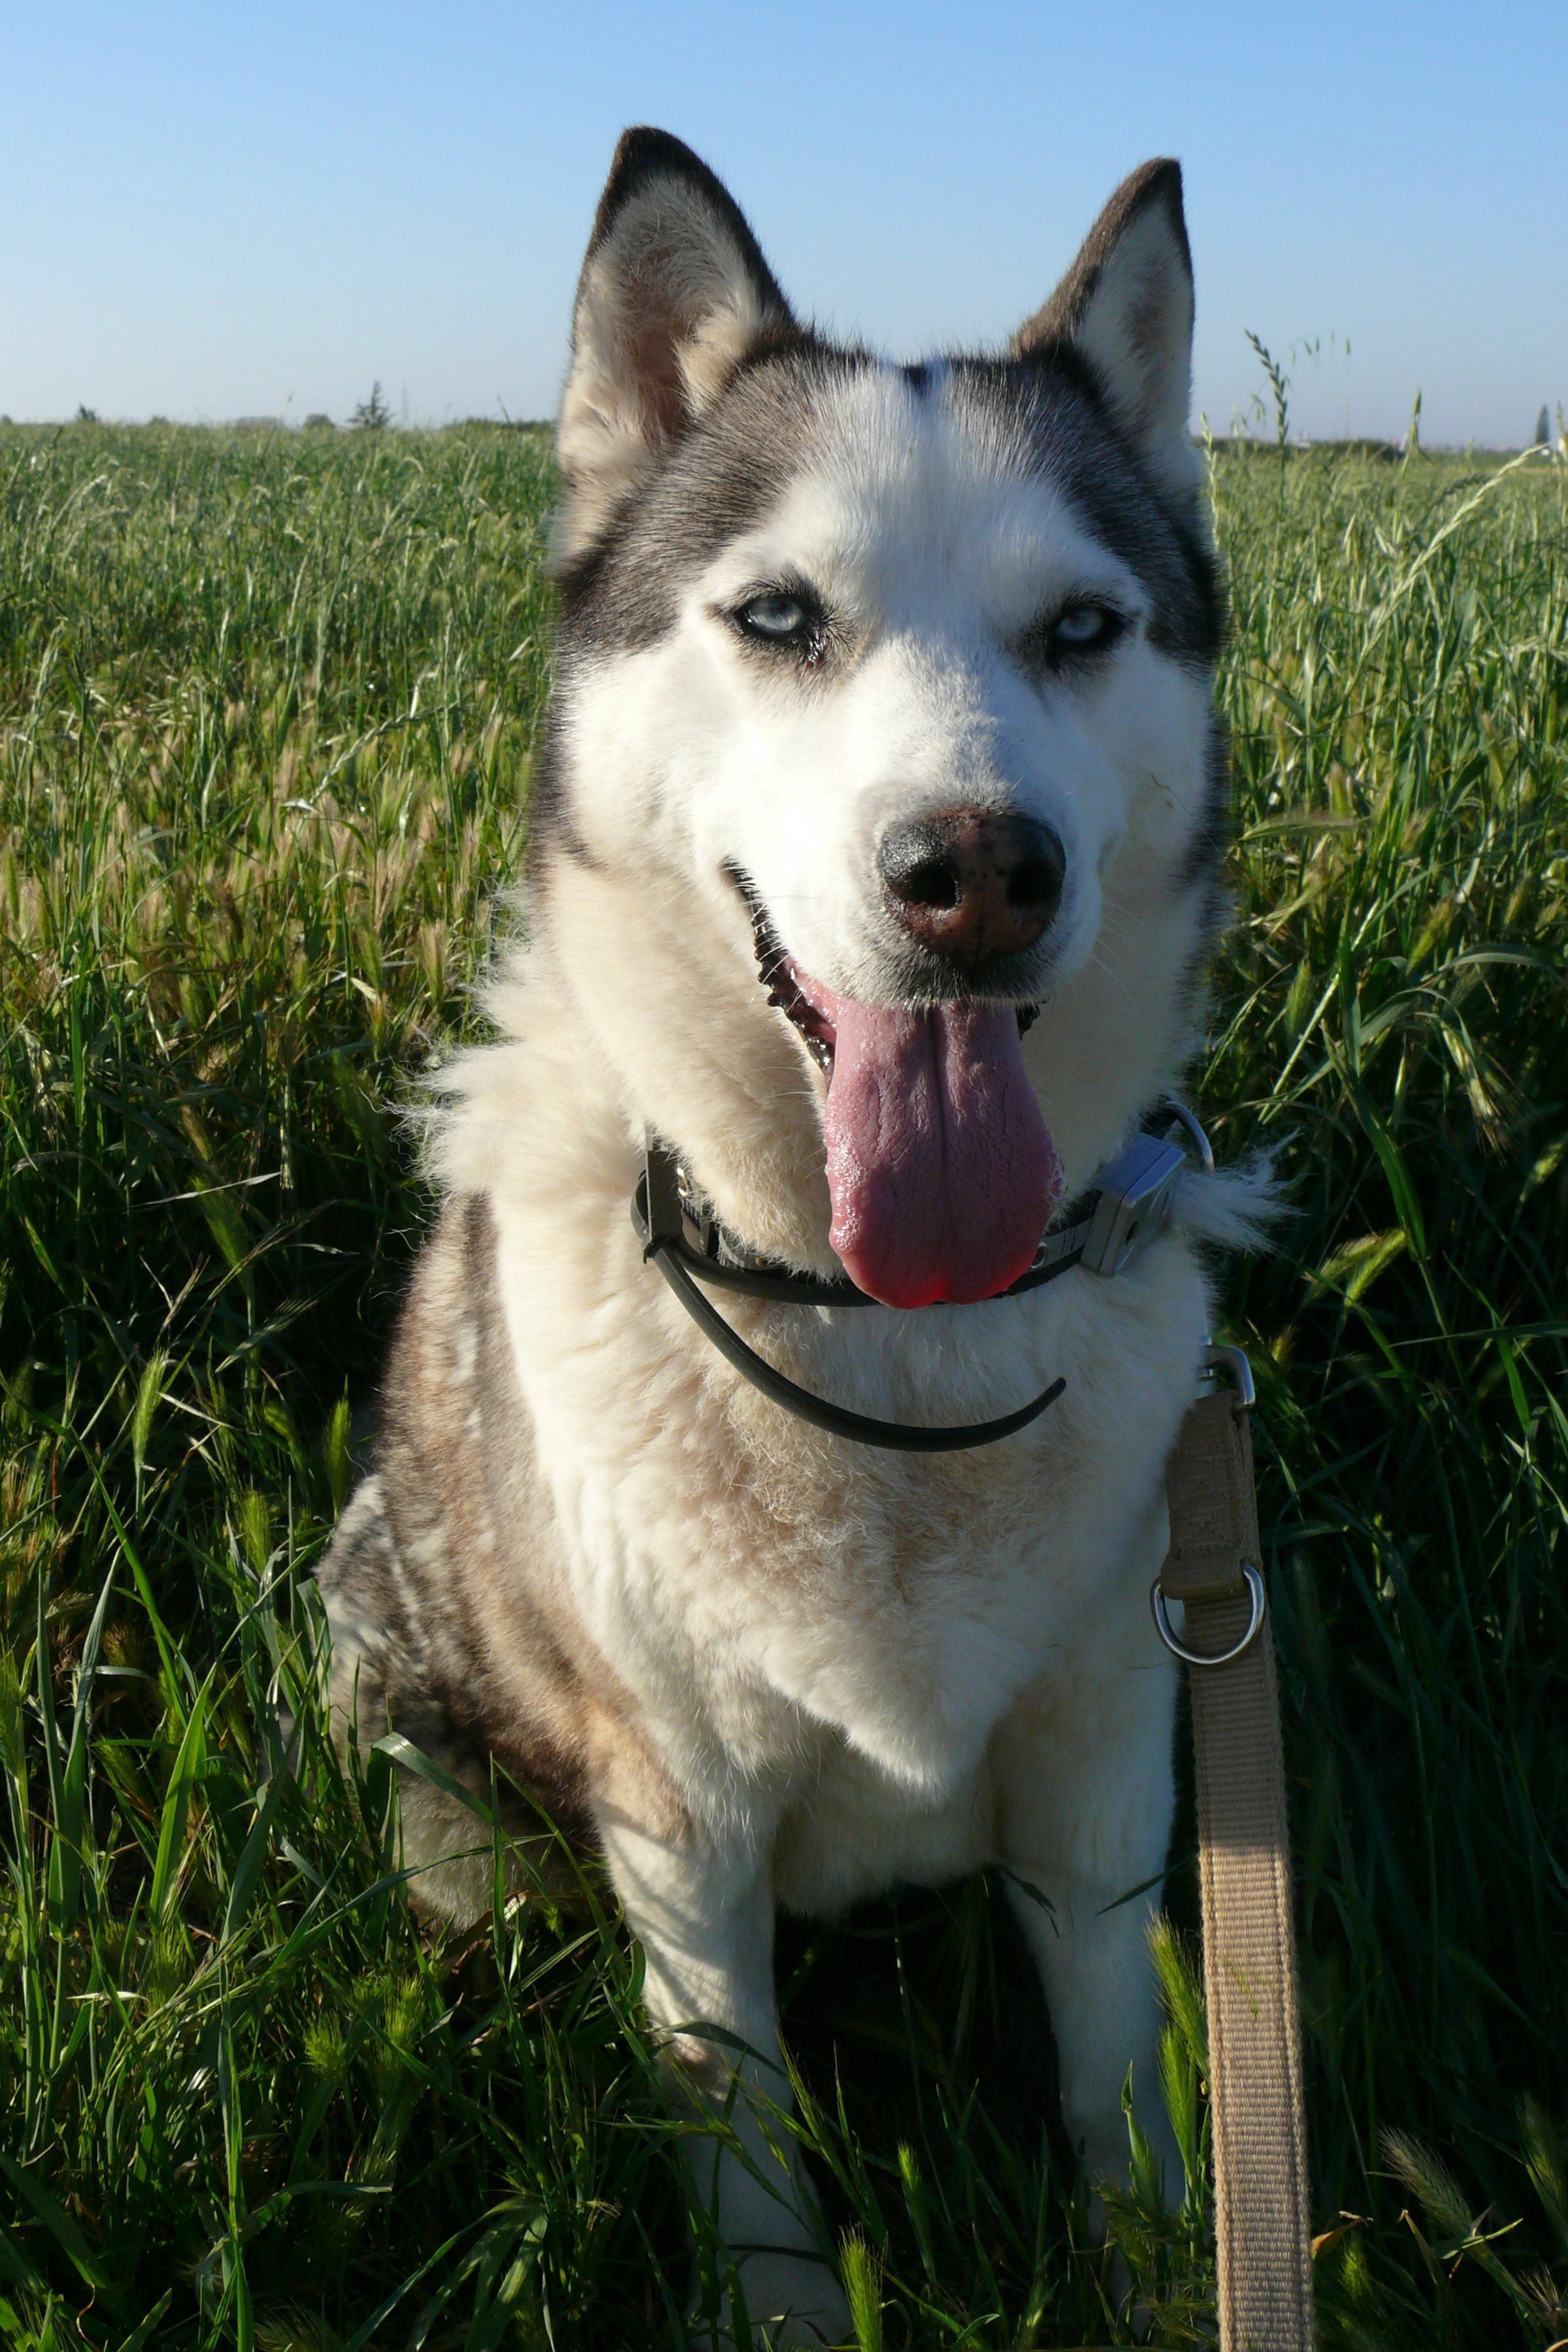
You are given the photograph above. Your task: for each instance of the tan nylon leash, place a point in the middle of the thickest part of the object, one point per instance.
(1257, 2115)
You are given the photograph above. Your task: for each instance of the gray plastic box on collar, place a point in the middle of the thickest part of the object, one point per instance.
(1136, 1193)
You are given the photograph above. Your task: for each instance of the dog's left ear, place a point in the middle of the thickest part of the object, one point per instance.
(674, 292)
(1126, 304)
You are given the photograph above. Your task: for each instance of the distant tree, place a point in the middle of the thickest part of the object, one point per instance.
(86, 416)
(372, 415)
(1543, 429)
(320, 422)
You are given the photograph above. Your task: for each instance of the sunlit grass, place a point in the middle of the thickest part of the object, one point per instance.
(266, 706)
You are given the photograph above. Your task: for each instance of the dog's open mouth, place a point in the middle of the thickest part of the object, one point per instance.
(941, 1169)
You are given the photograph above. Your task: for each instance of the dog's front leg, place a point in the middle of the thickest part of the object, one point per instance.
(703, 1913)
(1085, 1785)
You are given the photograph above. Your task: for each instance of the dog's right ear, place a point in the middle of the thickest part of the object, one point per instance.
(674, 292)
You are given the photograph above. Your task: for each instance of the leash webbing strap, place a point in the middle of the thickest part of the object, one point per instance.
(1257, 2115)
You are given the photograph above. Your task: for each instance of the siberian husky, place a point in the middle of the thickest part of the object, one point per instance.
(872, 875)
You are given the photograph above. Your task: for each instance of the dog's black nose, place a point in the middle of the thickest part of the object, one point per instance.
(973, 885)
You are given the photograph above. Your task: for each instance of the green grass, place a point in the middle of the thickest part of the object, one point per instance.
(266, 705)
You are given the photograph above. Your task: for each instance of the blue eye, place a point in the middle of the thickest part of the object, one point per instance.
(1075, 634)
(1086, 628)
(777, 620)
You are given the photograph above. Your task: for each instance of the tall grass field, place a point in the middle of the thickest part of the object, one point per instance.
(267, 703)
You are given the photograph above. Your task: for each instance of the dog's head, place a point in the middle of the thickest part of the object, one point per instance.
(886, 687)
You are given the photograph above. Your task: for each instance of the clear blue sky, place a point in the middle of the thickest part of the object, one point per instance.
(235, 209)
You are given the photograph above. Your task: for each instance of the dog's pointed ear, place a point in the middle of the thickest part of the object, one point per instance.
(1126, 304)
(674, 292)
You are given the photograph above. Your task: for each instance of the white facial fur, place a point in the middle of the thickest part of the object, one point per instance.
(933, 552)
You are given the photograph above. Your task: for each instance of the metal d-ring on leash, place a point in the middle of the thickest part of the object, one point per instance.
(1178, 1649)
(1234, 1360)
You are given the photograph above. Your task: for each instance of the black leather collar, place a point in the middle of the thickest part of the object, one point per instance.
(681, 1237)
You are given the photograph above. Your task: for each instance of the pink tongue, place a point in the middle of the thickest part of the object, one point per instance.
(941, 1170)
